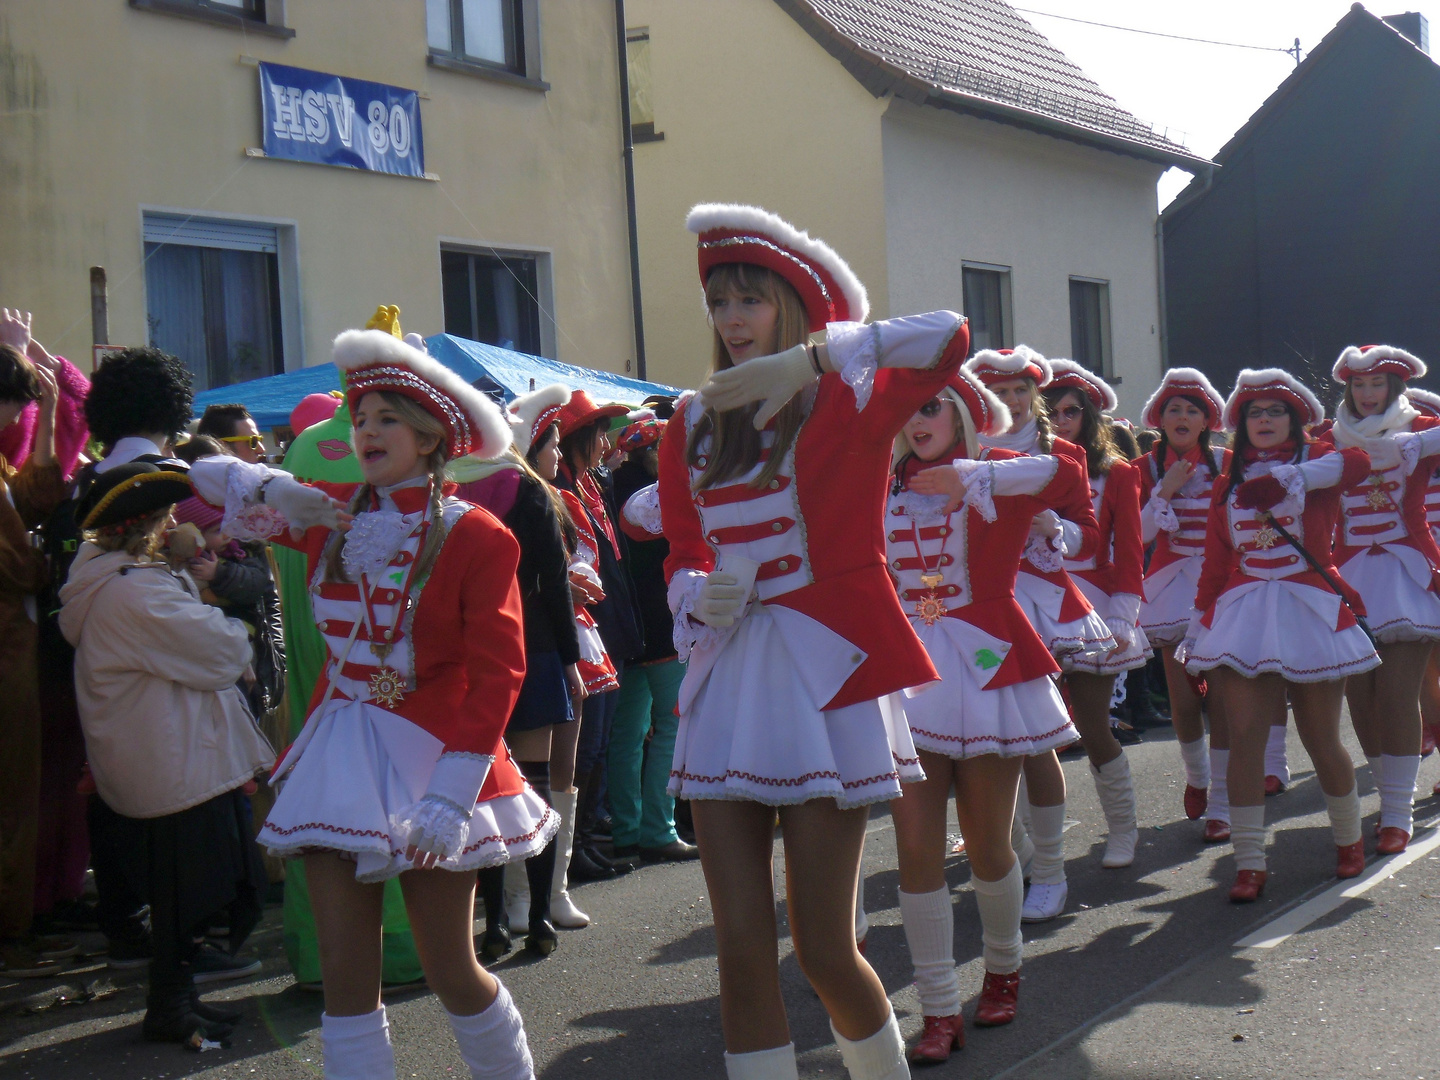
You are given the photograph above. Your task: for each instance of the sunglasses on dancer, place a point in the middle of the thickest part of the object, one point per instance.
(932, 408)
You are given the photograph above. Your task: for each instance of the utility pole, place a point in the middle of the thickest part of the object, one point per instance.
(1294, 51)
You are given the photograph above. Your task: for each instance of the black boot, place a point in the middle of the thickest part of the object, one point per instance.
(540, 870)
(213, 1013)
(170, 1017)
(496, 942)
(1137, 698)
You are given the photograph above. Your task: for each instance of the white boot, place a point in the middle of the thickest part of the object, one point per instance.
(1117, 799)
(357, 1047)
(1048, 891)
(493, 1042)
(563, 911)
(517, 897)
(879, 1057)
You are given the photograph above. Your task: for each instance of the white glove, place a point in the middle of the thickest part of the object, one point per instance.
(771, 380)
(1122, 630)
(1186, 647)
(1047, 525)
(435, 828)
(721, 598)
(1384, 452)
(302, 505)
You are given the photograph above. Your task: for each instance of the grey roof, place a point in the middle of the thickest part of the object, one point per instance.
(983, 57)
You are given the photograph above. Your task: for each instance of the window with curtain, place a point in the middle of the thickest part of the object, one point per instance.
(987, 306)
(1090, 324)
(484, 31)
(492, 298)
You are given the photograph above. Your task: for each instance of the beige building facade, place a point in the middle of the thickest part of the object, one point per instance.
(130, 136)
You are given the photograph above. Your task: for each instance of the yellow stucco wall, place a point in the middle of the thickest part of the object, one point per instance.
(107, 109)
(753, 110)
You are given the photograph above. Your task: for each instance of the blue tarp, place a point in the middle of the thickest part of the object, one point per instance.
(499, 372)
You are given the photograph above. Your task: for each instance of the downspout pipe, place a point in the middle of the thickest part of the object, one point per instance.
(629, 156)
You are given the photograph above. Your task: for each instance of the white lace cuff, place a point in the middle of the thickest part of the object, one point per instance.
(690, 634)
(978, 478)
(1293, 481)
(434, 824)
(1041, 553)
(855, 353)
(1125, 606)
(459, 776)
(1411, 449)
(643, 510)
(1163, 512)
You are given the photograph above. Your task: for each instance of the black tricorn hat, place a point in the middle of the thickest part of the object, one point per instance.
(131, 492)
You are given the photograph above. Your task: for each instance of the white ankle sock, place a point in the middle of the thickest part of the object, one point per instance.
(929, 920)
(1397, 791)
(357, 1047)
(999, 903)
(776, 1064)
(1218, 808)
(1247, 836)
(1197, 764)
(493, 1042)
(879, 1057)
(1047, 832)
(1276, 763)
(1344, 817)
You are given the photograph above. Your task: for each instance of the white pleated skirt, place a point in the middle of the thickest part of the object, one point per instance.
(1395, 585)
(1135, 655)
(1041, 601)
(361, 767)
(1170, 601)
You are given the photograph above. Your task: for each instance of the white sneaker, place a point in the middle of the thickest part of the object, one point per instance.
(1044, 902)
(1120, 849)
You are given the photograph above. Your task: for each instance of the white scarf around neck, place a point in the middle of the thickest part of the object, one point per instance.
(1023, 439)
(1358, 431)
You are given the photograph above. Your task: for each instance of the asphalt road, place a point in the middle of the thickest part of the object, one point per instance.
(1150, 972)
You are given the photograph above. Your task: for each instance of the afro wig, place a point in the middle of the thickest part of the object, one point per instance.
(138, 392)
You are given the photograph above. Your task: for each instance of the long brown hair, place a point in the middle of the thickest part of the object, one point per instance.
(1095, 436)
(557, 504)
(425, 426)
(734, 443)
(1394, 387)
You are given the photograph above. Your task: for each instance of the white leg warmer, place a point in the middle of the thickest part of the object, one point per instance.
(879, 1057)
(930, 932)
(1047, 832)
(357, 1047)
(1000, 903)
(776, 1064)
(1344, 817)
(1197, 763)
(1219, 806)
(493, 1042)
(517, 896)
(1397, 791)
(1117, 799)
(1276, 763)
(1247, 836)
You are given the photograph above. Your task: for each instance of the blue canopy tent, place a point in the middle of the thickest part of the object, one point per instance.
(499, 372)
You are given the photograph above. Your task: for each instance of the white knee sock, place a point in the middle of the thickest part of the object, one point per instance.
(1397, 791)
(1218, 808)
(1276, 763)
(1247, 836)
(493, 1042)
(999, 903)
(879, 1057)
(862, 924)
(357, 1047)
(776, 1064)
(1047, 832)
(1344, 817)
(929, 920)
(1197, 764)
(1375, 774)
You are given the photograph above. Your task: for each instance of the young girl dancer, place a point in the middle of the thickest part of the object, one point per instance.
(401, 768)
(785, 698)
(1386, 551)
(1267, 627)
(1176, 482)
(1079, 402)
(1055, 606)
(1428, 404)
(959, 519)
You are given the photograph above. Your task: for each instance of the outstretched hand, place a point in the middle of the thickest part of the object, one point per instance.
(15, 329)
(771, 380)
(1259, 493)
(940, 480)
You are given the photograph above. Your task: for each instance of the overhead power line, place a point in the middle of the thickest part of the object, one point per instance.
(1294, 51)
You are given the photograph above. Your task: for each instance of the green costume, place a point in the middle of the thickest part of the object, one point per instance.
(323, 452)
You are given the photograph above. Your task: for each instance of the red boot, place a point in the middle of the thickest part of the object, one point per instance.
(996, 1006)
(940, 1035)
(1196, 800)
(1392, 841)
(1350, 860)
(1249, 884)
(1273, 786)
(1217, 832)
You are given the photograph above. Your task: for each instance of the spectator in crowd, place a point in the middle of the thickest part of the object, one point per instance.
(18, 438)
(235, 427)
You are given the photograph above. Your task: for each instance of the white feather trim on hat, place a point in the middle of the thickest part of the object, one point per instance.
(704, 217)
(1184, 380)
(1356, 360)
(1013, 362)
(490, 433)
(1424, 400)
(1000, 421)
(1069, 373)
(1252, 384)
(526, 410)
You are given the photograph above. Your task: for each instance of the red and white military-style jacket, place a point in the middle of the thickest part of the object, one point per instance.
(977, 558)
(1241, 547)
(1118, 565)
(596, 668)
(1177, 526)
(816, 529)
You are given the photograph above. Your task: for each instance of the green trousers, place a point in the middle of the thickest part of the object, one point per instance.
(641, 811)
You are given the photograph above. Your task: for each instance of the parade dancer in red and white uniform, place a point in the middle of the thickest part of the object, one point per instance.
(1177, 479)
(1428, 404)
(794, 635)
(1386, 551)
(958, 521)
(1112, 579)
(1267, 627)
(1053, 603)
(401, 768)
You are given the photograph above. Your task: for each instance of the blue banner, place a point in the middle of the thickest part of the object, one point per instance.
(330, 120)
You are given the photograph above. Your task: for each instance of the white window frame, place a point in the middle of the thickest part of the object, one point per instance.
(1007, 306)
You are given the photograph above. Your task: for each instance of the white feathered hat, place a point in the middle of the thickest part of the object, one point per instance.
(1377, 360)
(374, 360)
(1276, 383)
(733, 233)
(1425, 402)
(1068, 375)
(1185, 382)
(530, 414)
(998, 365)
